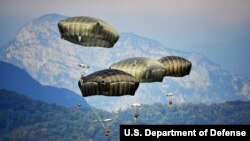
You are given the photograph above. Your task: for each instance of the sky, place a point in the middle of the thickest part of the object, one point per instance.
(218, 29)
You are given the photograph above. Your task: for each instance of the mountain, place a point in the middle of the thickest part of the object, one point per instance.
(40, 51)
(25, 119)
(16, 79)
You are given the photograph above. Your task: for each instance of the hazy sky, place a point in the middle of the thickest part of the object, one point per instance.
(219, 29)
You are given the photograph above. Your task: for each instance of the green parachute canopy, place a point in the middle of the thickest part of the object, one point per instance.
(88, 31)
(143, 69)
(108, 82)
(176, 66)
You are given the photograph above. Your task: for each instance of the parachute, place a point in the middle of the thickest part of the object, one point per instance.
(88, 31)
(176, 66)
(108, 82)
(170, 99)
(79, 105)
(136, 107)
(143, 69)
(83, 66)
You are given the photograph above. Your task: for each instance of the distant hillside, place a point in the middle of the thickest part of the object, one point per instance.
(24, 119)
(16, 79)
(40, 51)
(234, 112)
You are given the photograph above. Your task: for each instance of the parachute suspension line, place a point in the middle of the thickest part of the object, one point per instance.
(117, 113)
(75, 53)
(105, 127)
(136, 107)
(170, 99)
(98, 116)
(168, 95)
(81, 66)
(136, 115)
(77, 57)
(107, 124)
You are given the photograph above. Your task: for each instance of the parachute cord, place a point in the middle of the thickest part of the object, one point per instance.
(98, 116)
(115, 117)
(77, 58)
(75, 53)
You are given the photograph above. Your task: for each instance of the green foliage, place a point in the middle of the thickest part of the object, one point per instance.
(24, 119)
(236, 112)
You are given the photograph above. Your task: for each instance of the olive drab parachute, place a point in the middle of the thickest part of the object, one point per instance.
(176, 66)
(143, 69)
(108, 82)
(88, 31)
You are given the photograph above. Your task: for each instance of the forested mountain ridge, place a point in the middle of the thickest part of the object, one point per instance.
(22, 118)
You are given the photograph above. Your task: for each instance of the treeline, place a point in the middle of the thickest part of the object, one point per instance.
(236, 112)
(24, 119)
